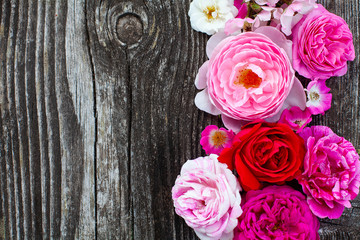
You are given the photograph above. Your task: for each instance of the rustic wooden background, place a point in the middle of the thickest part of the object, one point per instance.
(97, 117)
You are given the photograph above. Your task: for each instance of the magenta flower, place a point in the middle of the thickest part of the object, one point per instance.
(276, 212)
(207, 196)
(322, 45)
(242, 8)
(331, 174)
(296, 118)
(214, 140)
(319, 100)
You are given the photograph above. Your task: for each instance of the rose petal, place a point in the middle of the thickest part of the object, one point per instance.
(277, 37)
(200, 80)
(213, 41)
(203, 102)
(232, 124)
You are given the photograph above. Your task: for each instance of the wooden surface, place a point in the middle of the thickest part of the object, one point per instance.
(97, 117)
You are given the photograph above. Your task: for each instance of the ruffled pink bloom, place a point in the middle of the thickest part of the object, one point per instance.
(276, 212)
(214, 140)
(322, 45)
(319, 98)
(296, 118)
(207, 196)
(331, 174)
(242, 8)
(248, 76)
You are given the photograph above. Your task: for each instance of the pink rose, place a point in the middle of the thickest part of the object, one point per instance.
(277, 212)
(322, 45)
(207, 196)
(248, 76)
(331, 174)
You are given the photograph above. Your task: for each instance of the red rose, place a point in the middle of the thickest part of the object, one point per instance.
(265, 152)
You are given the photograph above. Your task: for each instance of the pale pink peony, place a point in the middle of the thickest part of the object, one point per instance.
(322, 45)
(207, 196)
(331, 176)
(276, 212)
(214, 140)
(296, 118)
(248, 76)
(319, 98)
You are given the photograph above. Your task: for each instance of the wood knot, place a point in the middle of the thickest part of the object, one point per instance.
(129, 28)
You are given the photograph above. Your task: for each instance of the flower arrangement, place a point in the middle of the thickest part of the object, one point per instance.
(240, 190)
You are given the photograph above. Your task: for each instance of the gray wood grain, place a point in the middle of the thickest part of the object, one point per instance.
(97, 117)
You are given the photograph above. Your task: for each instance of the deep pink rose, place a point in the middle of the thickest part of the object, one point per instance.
(322, 45)
(248, 76)
(207, 196)
(276, 212)
(331, 174)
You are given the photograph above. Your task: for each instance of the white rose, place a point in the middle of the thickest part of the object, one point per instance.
(210, 16)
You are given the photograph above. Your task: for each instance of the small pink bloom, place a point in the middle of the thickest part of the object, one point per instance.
(322, 45)
(248, 76)
(214, 140)
(319, 100)
(207, 196)
(296, 118)
(276, 212)
(242, 8)
(331, 176)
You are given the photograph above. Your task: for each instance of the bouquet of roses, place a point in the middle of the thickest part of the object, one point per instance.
(240, 191)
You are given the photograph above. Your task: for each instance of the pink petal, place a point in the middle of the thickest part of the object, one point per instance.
(242, 7)
(296, 97)
(232, 124)
(322, 210)
(200, 80)
(213, 41)
(203, 102)
(277, 37)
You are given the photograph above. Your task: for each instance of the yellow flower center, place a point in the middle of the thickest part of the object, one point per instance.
(210, 12)
(314, 96)
(218, 138)
(248, 79)
(298, 122)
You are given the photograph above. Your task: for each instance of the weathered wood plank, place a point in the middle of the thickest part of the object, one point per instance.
(47, 128)
(113, 108)
(4, 133)
(81, 88)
